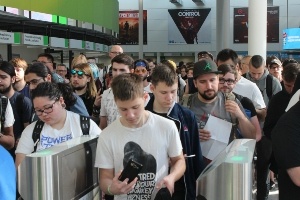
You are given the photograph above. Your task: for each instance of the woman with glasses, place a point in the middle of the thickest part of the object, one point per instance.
(60, 125)
(82, 81)
(38, 73)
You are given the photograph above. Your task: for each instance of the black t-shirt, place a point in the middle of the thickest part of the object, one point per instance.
(286, 140)
(88, 102)
(276, 109)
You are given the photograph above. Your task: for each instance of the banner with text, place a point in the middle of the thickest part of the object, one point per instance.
(240, 28)
(129, 27)
(189, 26)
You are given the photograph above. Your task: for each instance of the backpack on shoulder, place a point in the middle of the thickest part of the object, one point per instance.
(84, 124)
(269, 85)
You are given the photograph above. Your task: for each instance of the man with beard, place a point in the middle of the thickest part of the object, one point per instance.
(227, 81)
(208, 101)
(21, 105)
(141, 68)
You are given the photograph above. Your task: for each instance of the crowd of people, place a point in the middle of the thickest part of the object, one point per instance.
(154, 114)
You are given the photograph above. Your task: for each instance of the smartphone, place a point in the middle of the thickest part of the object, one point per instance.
(131, 171)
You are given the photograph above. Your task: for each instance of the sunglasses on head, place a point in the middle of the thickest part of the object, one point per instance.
(79, 73)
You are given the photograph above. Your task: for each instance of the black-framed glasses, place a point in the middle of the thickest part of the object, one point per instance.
(229, 81)
(46, 110)
(34, 81)
(78, 72)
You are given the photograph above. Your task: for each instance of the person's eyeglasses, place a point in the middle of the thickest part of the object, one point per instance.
(78, 72)
(47, 110)
(275, 67)
(143, 70)
(115, 52)
(34, 81)
(229, 81)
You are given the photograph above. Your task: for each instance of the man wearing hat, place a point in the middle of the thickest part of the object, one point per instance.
(209, 102)
(275, 68)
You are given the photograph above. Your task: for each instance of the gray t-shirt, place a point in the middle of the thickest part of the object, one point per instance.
(216, 108)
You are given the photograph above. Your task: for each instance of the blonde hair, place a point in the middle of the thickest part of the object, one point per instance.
(91, 86)
(19, 62)
(78, 59)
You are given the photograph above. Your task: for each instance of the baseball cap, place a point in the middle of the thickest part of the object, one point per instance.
(205, 66)
(275, 61)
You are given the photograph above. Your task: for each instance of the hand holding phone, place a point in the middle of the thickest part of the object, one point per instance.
(131, 171)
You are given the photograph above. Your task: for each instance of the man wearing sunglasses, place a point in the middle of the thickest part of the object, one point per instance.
(141, 68)
(120, 64)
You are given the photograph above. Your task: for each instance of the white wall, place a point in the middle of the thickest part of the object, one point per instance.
(158, 24)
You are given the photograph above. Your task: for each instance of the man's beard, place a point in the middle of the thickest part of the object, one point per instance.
(79, 87)
(145, 77)
(5, 90)
(204, 96)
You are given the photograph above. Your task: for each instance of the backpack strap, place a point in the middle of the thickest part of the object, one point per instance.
(19, 106)
(269, 87)
(4, 102)
(85, 124)
(36, 133)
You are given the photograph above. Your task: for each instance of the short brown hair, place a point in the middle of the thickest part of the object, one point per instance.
(164, 73)
(127, 86)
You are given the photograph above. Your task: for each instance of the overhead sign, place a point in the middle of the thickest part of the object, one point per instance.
(98, 47)
(291, 38)
(39, 40)
(59, 42)
(10, 38)
(105, 48)
(89, 45)
(76, 44)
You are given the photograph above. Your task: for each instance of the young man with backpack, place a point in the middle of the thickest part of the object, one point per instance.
(269, 86)
(21, 104)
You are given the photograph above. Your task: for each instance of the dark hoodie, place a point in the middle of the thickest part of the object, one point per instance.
(186, 122)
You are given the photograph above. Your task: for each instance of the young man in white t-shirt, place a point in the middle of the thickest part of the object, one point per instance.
(108, 113)
(142, 136)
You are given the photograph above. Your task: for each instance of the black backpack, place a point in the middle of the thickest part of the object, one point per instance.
(269, 85)
(84, 124)
(4, 102)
